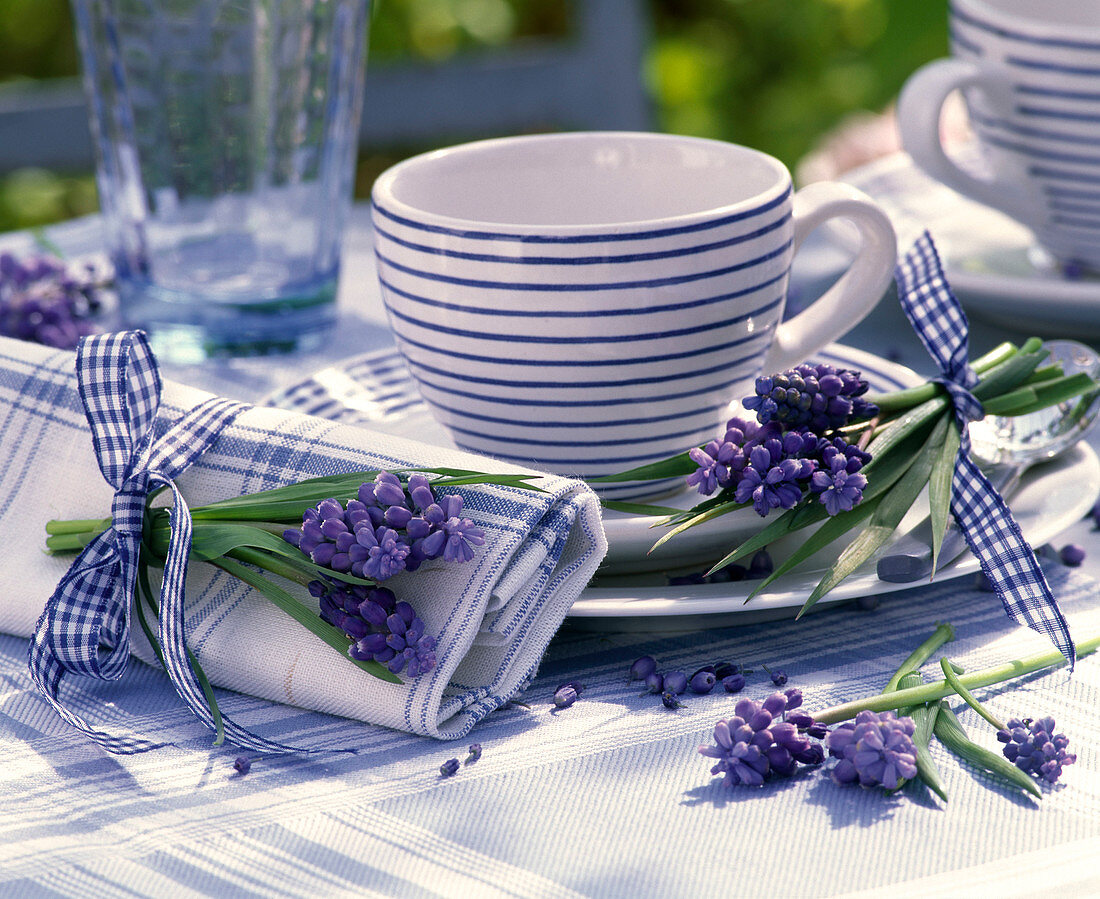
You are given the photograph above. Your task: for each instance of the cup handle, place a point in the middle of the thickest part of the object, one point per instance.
(856, 292)
(919, 110)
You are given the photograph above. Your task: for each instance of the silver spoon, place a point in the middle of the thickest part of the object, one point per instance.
(1005, 447)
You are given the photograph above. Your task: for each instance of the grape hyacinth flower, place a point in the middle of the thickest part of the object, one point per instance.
(774, 469)
(387, 529)
(380, 627)
(48, 301)
(449, 768)
(876, 749)
(1033, 747)
(474, 754)
(819, 397)
(756, 743)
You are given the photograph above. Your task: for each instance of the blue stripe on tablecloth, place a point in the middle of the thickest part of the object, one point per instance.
(617, 236)
(602, 259)
(562, 340)
(586, 287)
(543, 312)
(1024, 37)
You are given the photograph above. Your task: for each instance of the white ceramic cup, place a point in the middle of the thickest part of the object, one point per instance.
(585, 303)
(1030, 74)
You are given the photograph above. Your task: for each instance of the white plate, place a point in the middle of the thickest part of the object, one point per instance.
(992, 262)
(376, 390)
(1050, 499)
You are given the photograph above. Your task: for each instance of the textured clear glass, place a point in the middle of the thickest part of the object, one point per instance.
(225, 134)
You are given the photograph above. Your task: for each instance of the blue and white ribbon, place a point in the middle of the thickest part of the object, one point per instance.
(85, 627)
(981, 514)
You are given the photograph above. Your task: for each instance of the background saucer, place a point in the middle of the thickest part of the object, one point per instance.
(992, 262)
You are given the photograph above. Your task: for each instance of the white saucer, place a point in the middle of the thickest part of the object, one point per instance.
(1051, 498)
(992, 262)
(376, 390)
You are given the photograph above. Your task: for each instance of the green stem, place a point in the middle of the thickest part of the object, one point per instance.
(77, 525)
(942, 634)
(967, 696)
(272, 564)
(935, 690)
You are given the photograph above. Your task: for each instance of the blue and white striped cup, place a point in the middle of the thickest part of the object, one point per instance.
(1030, 74)
(585, 303)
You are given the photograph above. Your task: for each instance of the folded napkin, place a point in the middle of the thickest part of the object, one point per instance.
(493, 617)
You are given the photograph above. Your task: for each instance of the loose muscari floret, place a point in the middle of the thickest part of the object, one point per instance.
(565, 696)
(1033, 747)
(474, 753)
(448, 768)
(876, 749)
(387, 529)
(819, 397)
(381, 628)
(757, 742)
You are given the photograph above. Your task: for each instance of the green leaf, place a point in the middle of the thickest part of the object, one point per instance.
(1025, 400)
(952, 734)
(303, 616)
(939, 489)
(1012, 372)
(642, 509)
(924, 721)
(674, 466)
(833, 528)
(889, 513)
(697, 519)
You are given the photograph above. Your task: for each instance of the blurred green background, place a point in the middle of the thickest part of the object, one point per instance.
(773, 74)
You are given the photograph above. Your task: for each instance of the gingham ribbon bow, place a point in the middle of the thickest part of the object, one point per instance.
(981, 514)
(85, 627)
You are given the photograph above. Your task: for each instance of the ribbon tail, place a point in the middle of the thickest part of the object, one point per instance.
(172, 638)
(1006, 559)
(67, 614)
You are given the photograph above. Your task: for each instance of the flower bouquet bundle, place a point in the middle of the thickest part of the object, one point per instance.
(298, 560)
(820, 453)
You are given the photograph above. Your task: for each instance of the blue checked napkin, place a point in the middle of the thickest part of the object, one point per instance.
(493, 617)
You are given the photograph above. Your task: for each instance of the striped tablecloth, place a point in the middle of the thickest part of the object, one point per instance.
(607, 798)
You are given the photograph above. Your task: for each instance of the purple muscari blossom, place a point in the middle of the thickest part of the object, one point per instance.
(838, 489)
(576, 685)
(733, 683)
(728, 573)
(448, 768)
(381, 628)
(1072, 554)
(388, 528)
(779, 678)
(1032, 746)
(475, 753)
(669, 700)
(819, 397)
(702, 681)
(565, 697)
(722, 462)
(642, 668)
(876, 749)
(654, 683)
(243, 764)
(774, 477)
(675, 682)
(756, 742)
(45, 300)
